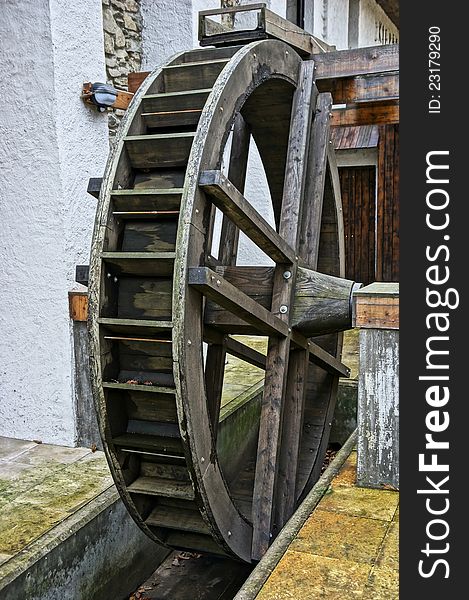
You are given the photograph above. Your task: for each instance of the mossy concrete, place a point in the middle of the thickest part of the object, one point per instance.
(64, 532)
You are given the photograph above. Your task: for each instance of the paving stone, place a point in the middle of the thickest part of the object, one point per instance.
(306, 576)
(383, 584)
(340, 536)
(389, 553)
(361, 502)
(60, 494)
(49, 453)
(348, 474)
(11, 448)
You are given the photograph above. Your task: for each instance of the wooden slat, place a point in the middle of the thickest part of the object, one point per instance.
(174, 118)
(147, 199)
(175, 101)
(177, 518)
(232, 203)
(366, 114)
(130, 387)
(190, 76)
(153, 486)
(152, 443)
(159, 150)
(359, 61)
(135, 326)
(214, 286)
(141, 263)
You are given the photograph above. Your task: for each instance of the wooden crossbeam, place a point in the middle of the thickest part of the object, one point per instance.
(215, 287)
(320, 357)
(233, 204)
(235, 347)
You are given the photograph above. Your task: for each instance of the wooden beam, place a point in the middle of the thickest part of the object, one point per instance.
(359, 61)
(78, 305)
(376, 306)
(233, 204)
(321, 357)
(366, 114)
(215, 287)
(362, 88)
(235, 347)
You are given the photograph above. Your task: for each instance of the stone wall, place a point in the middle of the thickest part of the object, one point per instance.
(122, 24)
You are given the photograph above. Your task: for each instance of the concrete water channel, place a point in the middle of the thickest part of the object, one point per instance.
(65, 534)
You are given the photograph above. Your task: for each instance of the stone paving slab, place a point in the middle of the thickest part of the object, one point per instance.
(347, 548)
(41, 485)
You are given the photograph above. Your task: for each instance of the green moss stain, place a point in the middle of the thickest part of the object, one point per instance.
(61, 492)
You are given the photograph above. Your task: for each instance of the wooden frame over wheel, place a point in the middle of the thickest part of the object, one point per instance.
(163, 310)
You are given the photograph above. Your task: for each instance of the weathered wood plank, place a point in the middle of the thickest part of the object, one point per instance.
(135, 80)
(227, 295)
(173, 118)
(159, 150)
(366, 114)
(232, 203)
(378, 409)
(359, 61)
(322, 303)
(192, 76)
(177, 518)
(175, 101)
(147, 199)
(140, 263)
(362, 88)
(154, 486)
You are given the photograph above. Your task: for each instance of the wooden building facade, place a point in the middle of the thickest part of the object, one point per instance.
(370, 199)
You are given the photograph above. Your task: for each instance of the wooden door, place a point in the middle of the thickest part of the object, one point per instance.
(358, 187)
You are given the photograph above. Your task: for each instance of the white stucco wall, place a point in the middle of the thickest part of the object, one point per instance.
(50, 145)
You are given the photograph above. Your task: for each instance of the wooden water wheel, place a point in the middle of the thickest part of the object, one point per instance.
(164, 310)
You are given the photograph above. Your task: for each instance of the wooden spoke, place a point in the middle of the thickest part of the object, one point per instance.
(268, 453)
(228, 248)
(232, 203)
(225, 294)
